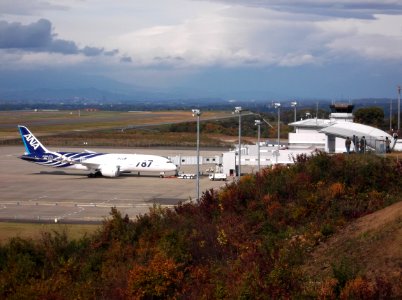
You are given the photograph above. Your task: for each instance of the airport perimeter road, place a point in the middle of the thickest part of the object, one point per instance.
(32, 192)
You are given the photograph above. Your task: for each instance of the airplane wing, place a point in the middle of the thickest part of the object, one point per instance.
(80, 161)
(89, 151)
(107, 170)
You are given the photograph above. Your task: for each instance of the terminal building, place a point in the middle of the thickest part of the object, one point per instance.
(310, 135)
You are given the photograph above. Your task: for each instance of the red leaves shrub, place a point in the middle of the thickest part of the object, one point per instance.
(336, 190)
(363, 288)
(160, 278)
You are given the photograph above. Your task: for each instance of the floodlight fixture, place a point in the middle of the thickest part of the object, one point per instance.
(196, 112)
(294, 104)
(238, 109)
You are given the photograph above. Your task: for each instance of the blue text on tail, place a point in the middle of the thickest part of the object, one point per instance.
(31, 143)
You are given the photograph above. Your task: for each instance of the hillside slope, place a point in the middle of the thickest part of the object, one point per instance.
(327, 227)
(370, 248)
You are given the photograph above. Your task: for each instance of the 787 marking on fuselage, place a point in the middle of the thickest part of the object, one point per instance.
(145, 163)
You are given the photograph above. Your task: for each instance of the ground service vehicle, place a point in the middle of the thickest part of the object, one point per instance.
(186, 176)
(218, 176)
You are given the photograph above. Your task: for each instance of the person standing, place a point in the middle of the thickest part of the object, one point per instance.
(348, 142)
(387, 145)
(363, 144)
(395, 135)
(356, 143)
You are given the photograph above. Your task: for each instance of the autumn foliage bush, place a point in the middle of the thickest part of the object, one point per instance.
(247, 240)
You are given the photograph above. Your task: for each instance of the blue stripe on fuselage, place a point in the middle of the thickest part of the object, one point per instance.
(77, 156)
(57, 161)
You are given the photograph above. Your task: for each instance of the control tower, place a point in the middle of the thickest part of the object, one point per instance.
(341, 112)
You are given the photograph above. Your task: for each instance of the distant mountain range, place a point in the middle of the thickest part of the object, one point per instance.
(63, 86)
(68, 90)
(67, 86)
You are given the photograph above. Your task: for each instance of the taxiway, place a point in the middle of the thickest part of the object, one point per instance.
(30, 192)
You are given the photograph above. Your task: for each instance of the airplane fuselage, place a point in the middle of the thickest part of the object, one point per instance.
(103, 162)
(106, 164)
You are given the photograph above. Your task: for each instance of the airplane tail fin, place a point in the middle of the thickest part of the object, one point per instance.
(31, 143)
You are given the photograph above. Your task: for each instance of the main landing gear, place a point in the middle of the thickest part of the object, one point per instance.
(94, 175)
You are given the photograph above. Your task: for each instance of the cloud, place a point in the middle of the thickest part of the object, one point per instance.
(373, 40)
(61, 46)
(15, 35)
(259, 36)
(38, 37)
(361, 9)
(168, 43)
(126, 59)
(111, 52)
(229, 37)
(92, 51)
(23, 7)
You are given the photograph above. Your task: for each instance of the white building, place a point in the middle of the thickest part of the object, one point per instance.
(269, 155)
(310, 134)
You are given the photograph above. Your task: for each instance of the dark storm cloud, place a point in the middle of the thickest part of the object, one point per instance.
(38, 37)
(92, 51)
(61, 46)
(346, 9)
(16, 35)
(111, 52)
(126, 59)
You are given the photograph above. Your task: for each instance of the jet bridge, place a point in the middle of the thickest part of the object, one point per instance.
(375, 138)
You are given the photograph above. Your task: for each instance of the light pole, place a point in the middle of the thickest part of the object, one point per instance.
(399, 108)
(197, 113)
(278, 106)
(258, 123)
(294, 104)
(390, 115)
(238, 110)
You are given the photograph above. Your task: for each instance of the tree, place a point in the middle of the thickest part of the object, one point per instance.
(373, 116)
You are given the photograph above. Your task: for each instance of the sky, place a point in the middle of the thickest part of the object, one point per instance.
(248, 49)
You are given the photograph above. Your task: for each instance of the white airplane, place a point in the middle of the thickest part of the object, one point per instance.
(98, 164)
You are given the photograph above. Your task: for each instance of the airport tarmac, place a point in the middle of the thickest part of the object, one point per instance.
(30, 192)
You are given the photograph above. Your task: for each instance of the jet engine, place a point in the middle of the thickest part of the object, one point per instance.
(110, 171)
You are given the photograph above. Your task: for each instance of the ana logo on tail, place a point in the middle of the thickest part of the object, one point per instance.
(32, 141)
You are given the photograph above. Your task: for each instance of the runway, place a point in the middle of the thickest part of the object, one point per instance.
(29, 192)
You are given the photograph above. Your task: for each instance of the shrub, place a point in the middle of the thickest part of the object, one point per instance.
(344, 270)
(161, 278)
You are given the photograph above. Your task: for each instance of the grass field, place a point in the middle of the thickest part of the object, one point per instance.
(106, 128)
(34, 231)
(54, 122)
